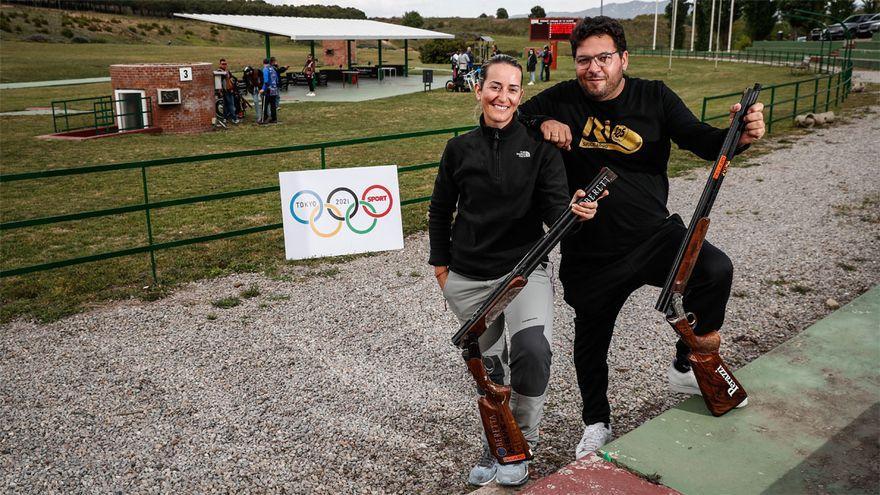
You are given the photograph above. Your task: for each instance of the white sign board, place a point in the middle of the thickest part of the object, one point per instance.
(186, 74)
(340, 211)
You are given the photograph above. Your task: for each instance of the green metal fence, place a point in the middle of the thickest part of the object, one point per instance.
(101, 114)
(784, 101)
(148, 206)
(818, 62)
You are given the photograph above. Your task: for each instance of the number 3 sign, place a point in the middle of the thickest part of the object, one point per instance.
(186, 74)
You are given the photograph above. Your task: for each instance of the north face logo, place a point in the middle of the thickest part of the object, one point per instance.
(523, 154)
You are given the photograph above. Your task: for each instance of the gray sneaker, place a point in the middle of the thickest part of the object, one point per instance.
(513, 474)
(485, 470)
(595, 436)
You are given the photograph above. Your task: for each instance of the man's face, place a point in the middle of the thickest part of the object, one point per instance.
(600, 83)
(223, 65)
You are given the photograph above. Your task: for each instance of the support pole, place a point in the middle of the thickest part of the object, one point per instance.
(654, 43)
(711, 24)
(405, 58)
(348, 51)
(379, 67)
(730, 26)
(312, 47)
(268, 53)
(693, 24)
(672, 31)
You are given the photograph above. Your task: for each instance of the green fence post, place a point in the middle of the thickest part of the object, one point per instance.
(770, 115)
(837, 88)
(149, 225)
(66, 118)
(323, 158)
(703, 113)
(828, 92)
(797, 88)
(815, 92)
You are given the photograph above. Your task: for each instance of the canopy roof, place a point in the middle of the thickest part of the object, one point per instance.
(318, 28)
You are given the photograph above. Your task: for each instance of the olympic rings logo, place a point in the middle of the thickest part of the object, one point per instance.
(343, 197)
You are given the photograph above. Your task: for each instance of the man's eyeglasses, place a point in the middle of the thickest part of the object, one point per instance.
(603, 59)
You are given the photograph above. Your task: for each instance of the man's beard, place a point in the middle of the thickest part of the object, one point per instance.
(611, 84)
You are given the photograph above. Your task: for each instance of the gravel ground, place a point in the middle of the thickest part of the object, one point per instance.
(341, 379)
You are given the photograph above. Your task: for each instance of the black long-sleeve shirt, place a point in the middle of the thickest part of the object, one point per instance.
(631, 135)
(504, 184)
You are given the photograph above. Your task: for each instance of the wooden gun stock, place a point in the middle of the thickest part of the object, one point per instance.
(721, 390)
(506, 440)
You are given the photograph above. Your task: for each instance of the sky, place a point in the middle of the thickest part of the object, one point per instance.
(452, 8)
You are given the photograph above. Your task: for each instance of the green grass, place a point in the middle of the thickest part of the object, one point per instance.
(50, 295)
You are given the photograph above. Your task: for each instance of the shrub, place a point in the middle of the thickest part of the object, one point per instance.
(38, 38)
(742, 42)
(439, 51)
(67, 33)
(5, 25)
(94, 28)
(115, 21)
(80, 39)
(132, 29)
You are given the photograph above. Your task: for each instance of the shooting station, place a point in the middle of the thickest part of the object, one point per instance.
(340, 71)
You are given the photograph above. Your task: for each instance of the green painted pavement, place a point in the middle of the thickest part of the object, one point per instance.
(811, 425)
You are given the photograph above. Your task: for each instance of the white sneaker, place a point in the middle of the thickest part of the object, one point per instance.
(512, 474)
(310, 94)
(531, 83)
(485, 470)
(686, 383)
(595, 436)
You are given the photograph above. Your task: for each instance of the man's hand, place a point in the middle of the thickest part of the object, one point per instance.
(754, 119)
(585, 211)
(441, 273)
(557, 133)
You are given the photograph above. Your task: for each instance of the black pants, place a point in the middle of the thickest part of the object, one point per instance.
(312, 84)
(545, 72)
(648, 264)
(270, 107)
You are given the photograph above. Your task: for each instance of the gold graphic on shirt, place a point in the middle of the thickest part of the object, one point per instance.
(601, 135)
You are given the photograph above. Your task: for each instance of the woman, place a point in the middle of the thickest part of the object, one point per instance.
(505, 182)
(531, 64)
(309, 71)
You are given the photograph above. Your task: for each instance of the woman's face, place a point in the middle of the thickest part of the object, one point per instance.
(499, 94)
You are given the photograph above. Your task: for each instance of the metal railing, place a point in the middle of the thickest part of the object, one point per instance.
(817, 62)
(832, 88)
(100, 114)
(148, 206)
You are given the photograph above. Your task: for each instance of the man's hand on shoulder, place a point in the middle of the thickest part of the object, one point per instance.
(754, 119)
(557, 133)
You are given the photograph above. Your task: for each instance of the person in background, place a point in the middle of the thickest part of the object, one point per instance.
(269, 92)
(309, 71)
(531, 62)
(253, 79)
(546, 60)
(454, 60)
(228, 93)
(494, 49)
(470, 56)
(280, 71)
(463, 63)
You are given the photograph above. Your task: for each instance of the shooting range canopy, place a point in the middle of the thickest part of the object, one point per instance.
(318, 28)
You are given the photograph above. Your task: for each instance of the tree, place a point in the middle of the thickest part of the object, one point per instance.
(841, 9)
(501, 13)
(798, 20)
(680, 18)
(537, 11)
(870, 6)
(483, 15)
(413, 19)
(760, 18)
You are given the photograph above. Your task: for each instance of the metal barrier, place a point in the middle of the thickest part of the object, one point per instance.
(782, 94)
(814, 61)
(147, 206)
(101, 114)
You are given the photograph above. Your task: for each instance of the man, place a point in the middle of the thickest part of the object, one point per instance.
(280, 71)
(546, 60)
(269, 92)
(454, 60)
(464, 62)
(254, 81)
(228, 93)
(470, 56)
(626, 124)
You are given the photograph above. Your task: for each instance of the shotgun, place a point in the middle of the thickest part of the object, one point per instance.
(506, 440)
(721, 390)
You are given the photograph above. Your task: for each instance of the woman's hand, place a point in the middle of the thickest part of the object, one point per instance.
(585, 211)
(441, 273)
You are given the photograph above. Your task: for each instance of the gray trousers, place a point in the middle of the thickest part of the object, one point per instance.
(525, 365)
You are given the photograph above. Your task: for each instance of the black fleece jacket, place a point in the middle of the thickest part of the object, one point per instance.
(504, 184)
